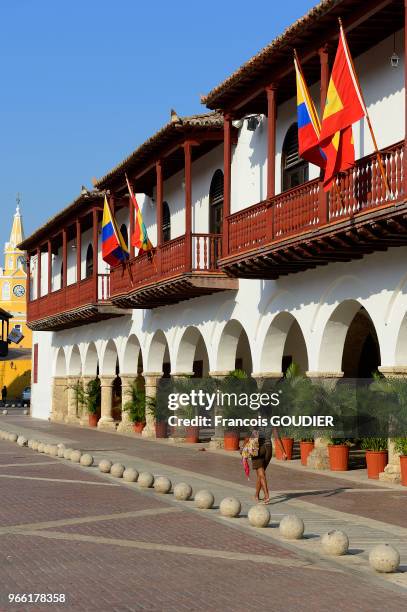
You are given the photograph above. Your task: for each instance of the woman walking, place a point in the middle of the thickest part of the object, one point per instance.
(261, 461)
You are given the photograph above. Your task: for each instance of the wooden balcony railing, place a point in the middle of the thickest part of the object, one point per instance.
(168, 261)
(68, 298)
(304, 208)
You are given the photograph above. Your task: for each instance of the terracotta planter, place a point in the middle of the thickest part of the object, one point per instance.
(93, 420)
(231, 440)
(288, 444)
(305, 449)
(376, 461)
(403, 467)
(138, 427)
(192, 434)
(161, 430)
(338, 457)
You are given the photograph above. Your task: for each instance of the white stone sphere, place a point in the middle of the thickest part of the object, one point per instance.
(61, 452)
(162, 484)
(22, 441)
(145, 480)
(291, 527)
(230, 507)
(5, 411)
(67, 453)
(182, 491)
(117, 470)
(335, 542)
(47, 448)
(34, 445)
(130, 474)
(75, 456)
(30, 443)
(25, 412)
(384, 558)
(61, 445)
(86, 460)
(204, 499)
(105, 465)
(41, 447)
(259, 516)
(13, 437)
(53, 450)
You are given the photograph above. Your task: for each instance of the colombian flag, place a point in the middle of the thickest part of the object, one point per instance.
(340, 155)
(140, 238)
(308, 123)
(344, 101)
(114, 249)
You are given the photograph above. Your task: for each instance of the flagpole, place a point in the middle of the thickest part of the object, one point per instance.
(378, 155)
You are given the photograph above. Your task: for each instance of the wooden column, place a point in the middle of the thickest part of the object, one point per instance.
(78, 250)
(38, 273)
(323, 211)
(131, 227)
(95, 219)
(28, 292)
(64, 258)
(271, 91)
(405, 100)
(227, 180)
(159, 201)
(49, 248)
(188, 205)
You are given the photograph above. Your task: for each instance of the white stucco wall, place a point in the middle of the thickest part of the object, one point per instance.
(41, 392)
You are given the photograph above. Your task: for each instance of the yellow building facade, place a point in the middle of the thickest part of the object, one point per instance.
(15, 369)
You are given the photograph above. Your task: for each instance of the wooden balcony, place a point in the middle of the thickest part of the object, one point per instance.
(180, 269)
(73, 305)
(304, 227)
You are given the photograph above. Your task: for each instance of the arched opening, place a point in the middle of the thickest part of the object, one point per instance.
(60, 363)
(166, 223)
(125, 234)
(192, 354)
(89, 261)
(294, 170)
(216, 203)
(5, 294)
(349, 342)
(401, 344)
(91, 363)
(132, 358)
(159, 355)
(110, 359)
(234, 349)
(75, 363)
(284, 344)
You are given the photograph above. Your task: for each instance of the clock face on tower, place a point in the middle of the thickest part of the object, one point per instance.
(19, 290)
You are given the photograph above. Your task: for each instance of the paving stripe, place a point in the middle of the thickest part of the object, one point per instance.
(5, 465)
(89, 519)
(61, 480)
(181, 550)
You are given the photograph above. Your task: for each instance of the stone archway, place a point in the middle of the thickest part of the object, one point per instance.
(75, 363)
(91, 361)
(192, 356)
(284, 344)
(158, 359)
(234, 350)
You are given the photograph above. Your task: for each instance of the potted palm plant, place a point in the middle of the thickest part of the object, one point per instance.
(236, 382)
(306, 447)
(89, 399)
(376, 455)
(136, 407)
(159, 408)
(400, 445)
(338, 453)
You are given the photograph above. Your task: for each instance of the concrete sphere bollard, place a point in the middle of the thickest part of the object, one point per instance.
(60, 453)
(75, 456)
(47, 449)
(145, 480)
(22, 441)
(41, 447)
(61, 445)
(335, 542)
(384, 558)
(130, 475)
(67, 453)
(25, 412)
(5, 411)
(230, 507)
(204, 499)
(291, 527)
(259, 516)
(182, 491)
(117, 470)
(162, 484)
(105, 465)
(86, 460)
(30, 443)
(53, 451)
(13, 437)
(34, 445)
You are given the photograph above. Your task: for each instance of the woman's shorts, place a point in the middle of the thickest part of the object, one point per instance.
(264, 456)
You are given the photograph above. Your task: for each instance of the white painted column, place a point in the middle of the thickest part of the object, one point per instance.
(126, 424)
(106, 420)
(151, 380)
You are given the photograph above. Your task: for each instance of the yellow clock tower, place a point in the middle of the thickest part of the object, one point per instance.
(13, 281)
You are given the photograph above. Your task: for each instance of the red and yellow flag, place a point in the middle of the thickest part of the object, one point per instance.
(340, 155)
(344, 102)
(140, 238)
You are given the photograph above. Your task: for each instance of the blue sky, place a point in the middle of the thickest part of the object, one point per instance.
(84, 82)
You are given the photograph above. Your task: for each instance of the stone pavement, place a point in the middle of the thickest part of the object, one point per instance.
(109, 545)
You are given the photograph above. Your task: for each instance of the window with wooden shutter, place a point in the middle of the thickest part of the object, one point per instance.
(294, 169)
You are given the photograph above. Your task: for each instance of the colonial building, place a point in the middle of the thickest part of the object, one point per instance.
(255, 265)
